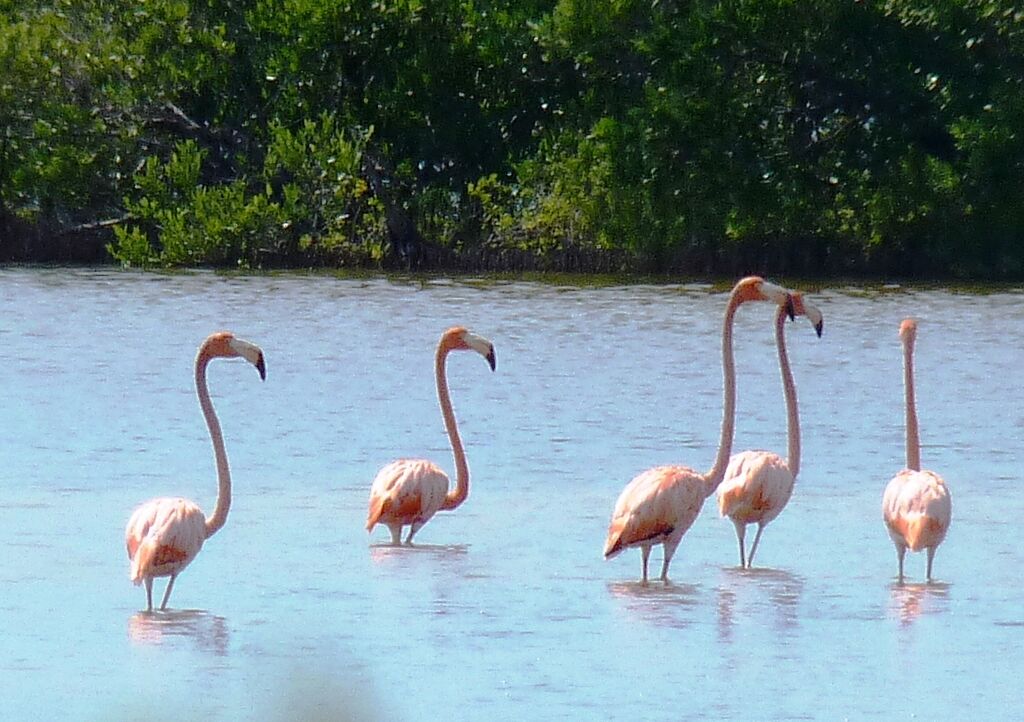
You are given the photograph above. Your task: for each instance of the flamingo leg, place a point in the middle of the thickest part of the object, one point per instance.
(670, 549)
(757, 538)
(167, 592)
(901, 551)
(149, 594)
(931, 555)
(645, 552)
(741, 531)
(396, 534)
(413, 528)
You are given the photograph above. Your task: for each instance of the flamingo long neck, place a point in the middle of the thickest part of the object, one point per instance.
(457, 495)
(220, 511)
(913, 440)
(717, 472)
(789, 389)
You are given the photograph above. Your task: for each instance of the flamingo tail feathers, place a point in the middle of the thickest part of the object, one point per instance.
(142, 560)
(377, 507)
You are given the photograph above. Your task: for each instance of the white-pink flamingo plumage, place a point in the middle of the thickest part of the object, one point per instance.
(659, 505)
(164, 535)
(408, 492)
(916, 506)
(758, 484)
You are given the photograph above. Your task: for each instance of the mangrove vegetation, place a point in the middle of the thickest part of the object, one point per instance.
(783, 136)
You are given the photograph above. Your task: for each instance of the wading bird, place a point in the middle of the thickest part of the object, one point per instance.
(758, 484)
(916, 505)
(659, 505)
(408, 492)
(164, 535)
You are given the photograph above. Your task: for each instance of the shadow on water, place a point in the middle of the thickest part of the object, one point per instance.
(908, 601)
(380, 553)
(662, 604)
(208, 631)
(745, 594)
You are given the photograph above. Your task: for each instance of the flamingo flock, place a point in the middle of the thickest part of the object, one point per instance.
(657, 507)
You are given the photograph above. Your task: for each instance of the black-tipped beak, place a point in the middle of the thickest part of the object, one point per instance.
(819, 327)
(790, 309)
(491, 359)
(261, 367)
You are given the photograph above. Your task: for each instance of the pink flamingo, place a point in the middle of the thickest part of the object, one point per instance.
(164, 535)
(659, 505)
(916, 505)
(410, 491)
(758, 484)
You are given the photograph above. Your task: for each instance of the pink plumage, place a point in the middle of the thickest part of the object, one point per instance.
(659, 505)
(408, 492)
(164, 535)
(758, 484)
(916, 505)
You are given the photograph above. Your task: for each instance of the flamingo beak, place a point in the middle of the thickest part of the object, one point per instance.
(261, 366)
(791, 310)
(819, 327)
(491, 359)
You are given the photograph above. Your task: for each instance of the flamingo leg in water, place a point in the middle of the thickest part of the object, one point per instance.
(931, 555)
(167, 592)
(396, 534)
(757, 538)
(901, 551)
(645, 552)
(741, 531)
(149, 594)
(670, 549)
(413, 528)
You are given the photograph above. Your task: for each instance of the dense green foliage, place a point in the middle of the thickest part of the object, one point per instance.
(781, 136)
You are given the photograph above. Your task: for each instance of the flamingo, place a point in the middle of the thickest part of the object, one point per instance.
(758, 484)
(916, 505)
(660, 504)
(164, 535)
(410, 491)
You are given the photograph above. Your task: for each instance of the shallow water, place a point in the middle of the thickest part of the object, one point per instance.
(506, 610)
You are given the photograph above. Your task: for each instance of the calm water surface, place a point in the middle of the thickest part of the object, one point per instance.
(507, 610)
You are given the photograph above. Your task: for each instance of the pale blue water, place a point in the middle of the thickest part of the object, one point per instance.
(508, 610)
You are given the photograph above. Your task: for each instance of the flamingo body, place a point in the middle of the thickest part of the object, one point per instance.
(757, 487)
(657, 507)
(407, 492)
(163, 536)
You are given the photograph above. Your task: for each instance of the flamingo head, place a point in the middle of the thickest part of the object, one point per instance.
(803, 308)
(223, 344)
(460, 338)
(908, 330)
(755, 288)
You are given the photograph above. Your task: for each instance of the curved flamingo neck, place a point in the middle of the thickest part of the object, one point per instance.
(717, 472)
(457, 495)
(789, 389)
(220, 512)
(913, 440)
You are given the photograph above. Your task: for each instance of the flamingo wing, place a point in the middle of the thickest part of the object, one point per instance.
(659, 503)
(406, 491)
(163, 536)
(917, 509)
(756, 488)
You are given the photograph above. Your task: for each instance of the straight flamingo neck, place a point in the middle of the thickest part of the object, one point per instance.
(913, 440)
(220, 511)
(789, 389)
(458, 495)
(717, 472)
